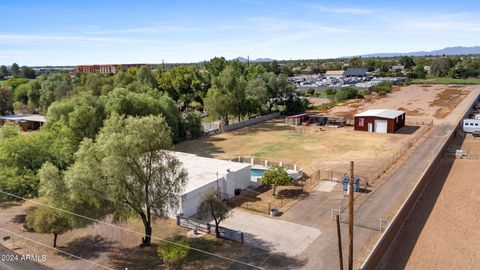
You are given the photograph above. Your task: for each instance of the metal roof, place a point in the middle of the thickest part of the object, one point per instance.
(382, 113)
(356, 71)
(24, 117)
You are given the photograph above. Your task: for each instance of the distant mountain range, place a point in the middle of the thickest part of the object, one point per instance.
(244, 60)
(447, 51)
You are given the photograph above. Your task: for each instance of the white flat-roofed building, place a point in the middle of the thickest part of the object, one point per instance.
(209, 173)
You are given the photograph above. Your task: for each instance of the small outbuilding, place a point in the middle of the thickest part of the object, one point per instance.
(26, 122)
(380, 120)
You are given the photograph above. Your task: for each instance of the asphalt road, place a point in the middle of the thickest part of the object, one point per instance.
(10, 260)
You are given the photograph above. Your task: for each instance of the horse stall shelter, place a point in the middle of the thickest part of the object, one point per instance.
(380, 120)
(205, 174)
(25, 122)
(313, 119)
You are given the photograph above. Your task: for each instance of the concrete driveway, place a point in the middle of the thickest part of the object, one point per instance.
(271, 234)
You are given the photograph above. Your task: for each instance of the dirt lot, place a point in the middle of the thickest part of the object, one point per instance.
(443, 232)
(309, 147)
(114, 248)
(318, 101)
(419, 101)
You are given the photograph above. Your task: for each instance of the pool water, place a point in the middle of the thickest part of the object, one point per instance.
(257, 172)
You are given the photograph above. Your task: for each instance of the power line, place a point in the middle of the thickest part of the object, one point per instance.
(132, 231)
(59, 250)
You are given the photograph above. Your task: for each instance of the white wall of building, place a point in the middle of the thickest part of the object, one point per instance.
(191, 199)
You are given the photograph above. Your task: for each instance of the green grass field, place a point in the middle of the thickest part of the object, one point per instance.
(446, 80)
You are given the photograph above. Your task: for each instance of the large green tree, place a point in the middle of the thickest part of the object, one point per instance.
(130, 167)
(15, 70)
(227, 95)
(55, 87)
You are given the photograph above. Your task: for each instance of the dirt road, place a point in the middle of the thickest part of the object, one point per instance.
(442, 231)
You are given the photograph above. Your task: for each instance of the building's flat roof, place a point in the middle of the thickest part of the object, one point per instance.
(24, 117)
(335, 72)
(383, 113)
(202, 170)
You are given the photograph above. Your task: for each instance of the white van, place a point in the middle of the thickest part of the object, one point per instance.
(471, 125)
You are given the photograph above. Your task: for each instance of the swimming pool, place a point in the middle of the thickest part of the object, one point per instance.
(256, 172)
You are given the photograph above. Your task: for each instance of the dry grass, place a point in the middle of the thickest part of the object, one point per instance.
(447, 100)
(309, 147)
(115, 248)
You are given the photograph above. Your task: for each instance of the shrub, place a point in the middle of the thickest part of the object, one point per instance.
(311, 91)
(9, 131)
(346, 93)
(385, 87)
(174, 255)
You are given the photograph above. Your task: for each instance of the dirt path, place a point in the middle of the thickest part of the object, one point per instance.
(443, 230)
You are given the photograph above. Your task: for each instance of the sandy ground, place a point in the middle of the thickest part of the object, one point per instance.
(318, 101)
(419, 101)
(309, 147)
(105, 247)
(443, 231)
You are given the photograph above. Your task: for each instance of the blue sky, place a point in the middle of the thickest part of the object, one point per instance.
(103, 31)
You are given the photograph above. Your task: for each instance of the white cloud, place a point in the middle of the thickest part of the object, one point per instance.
(26, 38)
(341, 10)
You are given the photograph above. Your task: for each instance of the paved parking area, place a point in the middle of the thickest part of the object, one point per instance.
(272, 234)
(326, 186)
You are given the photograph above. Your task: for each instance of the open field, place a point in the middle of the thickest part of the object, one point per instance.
(443, 230)
(309, 147)
(419, 101)
(446, 80)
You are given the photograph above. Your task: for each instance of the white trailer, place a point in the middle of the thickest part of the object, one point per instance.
(471, 125)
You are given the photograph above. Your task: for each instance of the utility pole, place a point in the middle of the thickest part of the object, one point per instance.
(339, 236)
(350, 218)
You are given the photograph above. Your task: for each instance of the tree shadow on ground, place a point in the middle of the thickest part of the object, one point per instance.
(262, 254)
(19, 218)
(291, 193)
(407, 130)
(136, 258)
(203, 147)
(87, 247)
(4, 203)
